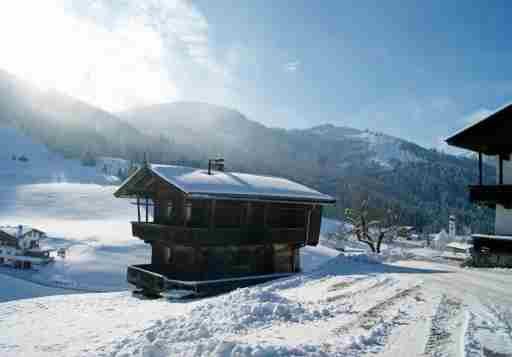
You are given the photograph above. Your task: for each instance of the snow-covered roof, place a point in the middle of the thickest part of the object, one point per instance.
(15, 231)
(198, 183)
(490, 236)
(441, 236)
(459, 245)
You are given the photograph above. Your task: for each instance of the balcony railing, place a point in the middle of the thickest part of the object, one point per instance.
(491, 194)
(217, 236)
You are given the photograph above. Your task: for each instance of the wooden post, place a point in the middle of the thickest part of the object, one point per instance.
(188, 213)
(248, 213)
(265, 214)
(480, 176)
(147, 210)
(501, 169)
(212, 215)
(138, 208)
(308, 222)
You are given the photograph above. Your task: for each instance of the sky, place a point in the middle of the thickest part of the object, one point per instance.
(419, 70)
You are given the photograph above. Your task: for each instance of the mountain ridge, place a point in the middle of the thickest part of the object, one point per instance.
(342, 161)
(346, 162)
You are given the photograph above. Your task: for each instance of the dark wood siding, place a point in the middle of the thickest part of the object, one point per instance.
(286, 215)
(160, 253)
(189, 263)
(200, 214)
(171, 235)
(228, 214)
(314, 226)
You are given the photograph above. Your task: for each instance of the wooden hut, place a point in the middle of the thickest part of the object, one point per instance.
(212, 230)
(491, 136)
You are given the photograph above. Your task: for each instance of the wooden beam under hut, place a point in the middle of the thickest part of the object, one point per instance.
(138, 208)
(480, 174)
(147, 209)
(501, 169)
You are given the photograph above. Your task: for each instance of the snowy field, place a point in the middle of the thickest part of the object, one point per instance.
(88, 221)
(342, 305)
(350, 306)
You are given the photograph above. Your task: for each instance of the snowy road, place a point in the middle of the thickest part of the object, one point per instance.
(469, 314)
(350, 307)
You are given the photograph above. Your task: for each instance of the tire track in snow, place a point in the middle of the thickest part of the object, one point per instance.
(379, 284)
(373, 326)
(440, 330)
(279, 336)
(492, 320)
(369, 317)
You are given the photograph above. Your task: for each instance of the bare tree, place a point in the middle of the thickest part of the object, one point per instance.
(373, 232)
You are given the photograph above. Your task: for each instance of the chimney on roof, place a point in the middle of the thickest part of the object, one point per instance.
(215, 164)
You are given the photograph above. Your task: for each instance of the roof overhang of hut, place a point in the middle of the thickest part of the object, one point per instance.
(198, 184)
(490, 136)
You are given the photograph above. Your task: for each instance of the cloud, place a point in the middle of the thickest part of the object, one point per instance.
(111, 54)
(292, 66)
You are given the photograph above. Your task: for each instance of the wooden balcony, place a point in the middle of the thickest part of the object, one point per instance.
(189, 236)
(491, 195)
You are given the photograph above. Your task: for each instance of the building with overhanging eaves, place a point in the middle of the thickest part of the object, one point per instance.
(492, 136)
(20, 246)
(212, 230)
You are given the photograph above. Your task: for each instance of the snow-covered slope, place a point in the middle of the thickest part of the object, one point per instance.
(383, 150)
(74, 204)
(41, 165)
(386, 149)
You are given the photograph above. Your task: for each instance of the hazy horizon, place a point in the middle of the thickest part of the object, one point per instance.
(417, 71)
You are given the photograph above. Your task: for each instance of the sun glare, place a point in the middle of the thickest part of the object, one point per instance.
(112, 67)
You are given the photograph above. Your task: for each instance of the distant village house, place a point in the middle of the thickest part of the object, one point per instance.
(20, 246)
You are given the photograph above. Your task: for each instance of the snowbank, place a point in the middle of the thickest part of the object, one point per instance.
(296, 301)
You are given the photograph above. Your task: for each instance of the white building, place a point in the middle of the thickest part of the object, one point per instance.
(20, 246)
(491, 136)
(452, 228)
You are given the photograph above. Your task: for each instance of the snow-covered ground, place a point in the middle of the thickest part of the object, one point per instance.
(343, 305)
(15, 289)
(88, 221)
(74, 204)
(350, 306)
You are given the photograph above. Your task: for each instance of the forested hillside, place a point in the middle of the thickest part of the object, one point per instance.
(71, 127)
(426, 185)
(345, 162)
